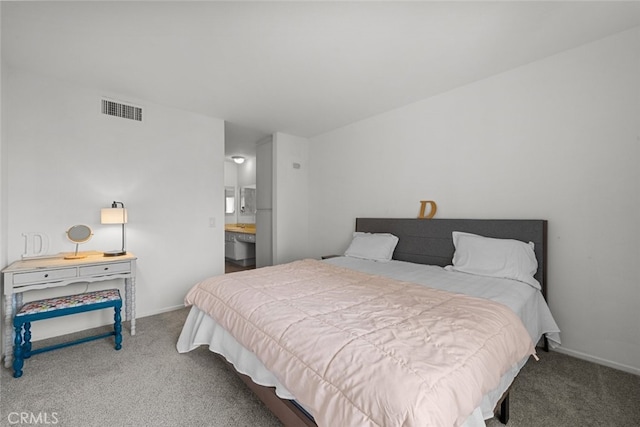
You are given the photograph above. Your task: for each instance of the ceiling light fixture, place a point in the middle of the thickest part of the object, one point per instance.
(238, 159)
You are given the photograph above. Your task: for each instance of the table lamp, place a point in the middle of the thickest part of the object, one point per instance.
(115, 215)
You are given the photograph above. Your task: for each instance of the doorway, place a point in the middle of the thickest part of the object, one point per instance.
(240, 195)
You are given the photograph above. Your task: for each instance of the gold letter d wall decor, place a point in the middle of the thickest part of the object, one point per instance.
(423, 208)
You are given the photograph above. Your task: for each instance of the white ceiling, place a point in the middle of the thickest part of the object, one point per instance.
(302, 68)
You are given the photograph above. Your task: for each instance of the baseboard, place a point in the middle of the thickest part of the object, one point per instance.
(563, 350)
(599, 361)
(160, 311)
(96, 320)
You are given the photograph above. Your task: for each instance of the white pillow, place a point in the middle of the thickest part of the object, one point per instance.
(375, 246)
(504, 258)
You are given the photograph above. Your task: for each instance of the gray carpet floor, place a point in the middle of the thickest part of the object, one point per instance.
(148, 383)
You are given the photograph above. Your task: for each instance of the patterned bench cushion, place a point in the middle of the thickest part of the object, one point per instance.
(51, 304)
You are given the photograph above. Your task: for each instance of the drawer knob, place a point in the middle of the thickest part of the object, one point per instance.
(106, 268)
(46, 275)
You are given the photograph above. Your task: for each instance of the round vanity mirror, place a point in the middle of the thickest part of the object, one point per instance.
(78, 234)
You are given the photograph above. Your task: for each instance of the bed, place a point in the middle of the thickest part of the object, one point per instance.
(423, 250)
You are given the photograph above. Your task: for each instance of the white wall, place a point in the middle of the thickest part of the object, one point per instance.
(291, 198)
(3, 167)
(66, 161)
(558, 139)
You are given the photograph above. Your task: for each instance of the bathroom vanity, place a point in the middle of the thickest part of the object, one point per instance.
(240, 244)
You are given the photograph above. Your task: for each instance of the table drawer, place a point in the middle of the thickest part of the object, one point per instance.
(105, 270)
(44, 276)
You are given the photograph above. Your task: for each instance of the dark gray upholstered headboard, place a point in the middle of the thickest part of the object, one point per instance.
(428, 241)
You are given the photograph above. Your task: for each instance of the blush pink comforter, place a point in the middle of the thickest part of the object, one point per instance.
(364, 350)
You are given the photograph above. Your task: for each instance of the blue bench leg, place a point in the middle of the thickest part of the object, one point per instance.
(26, 347)
(117, 327)
(18, 363)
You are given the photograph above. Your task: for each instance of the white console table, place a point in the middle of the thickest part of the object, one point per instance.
(42, 273)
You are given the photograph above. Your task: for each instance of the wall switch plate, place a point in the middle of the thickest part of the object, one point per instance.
(212, 222)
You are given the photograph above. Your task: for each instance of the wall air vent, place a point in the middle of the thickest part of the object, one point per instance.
(118, 109)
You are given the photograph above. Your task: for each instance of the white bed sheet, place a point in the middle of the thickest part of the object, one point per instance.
(523, 299)
(200, 329)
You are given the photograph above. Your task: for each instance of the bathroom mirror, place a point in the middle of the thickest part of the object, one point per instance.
(248, 200)
(78, 234)
(229, 200)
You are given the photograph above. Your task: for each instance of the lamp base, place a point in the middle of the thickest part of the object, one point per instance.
(115, 253)
(74, 256)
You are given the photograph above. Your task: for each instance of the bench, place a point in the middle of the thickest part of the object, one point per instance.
(62, 306)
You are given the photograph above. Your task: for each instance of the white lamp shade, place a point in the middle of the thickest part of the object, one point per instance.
(113, 216)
